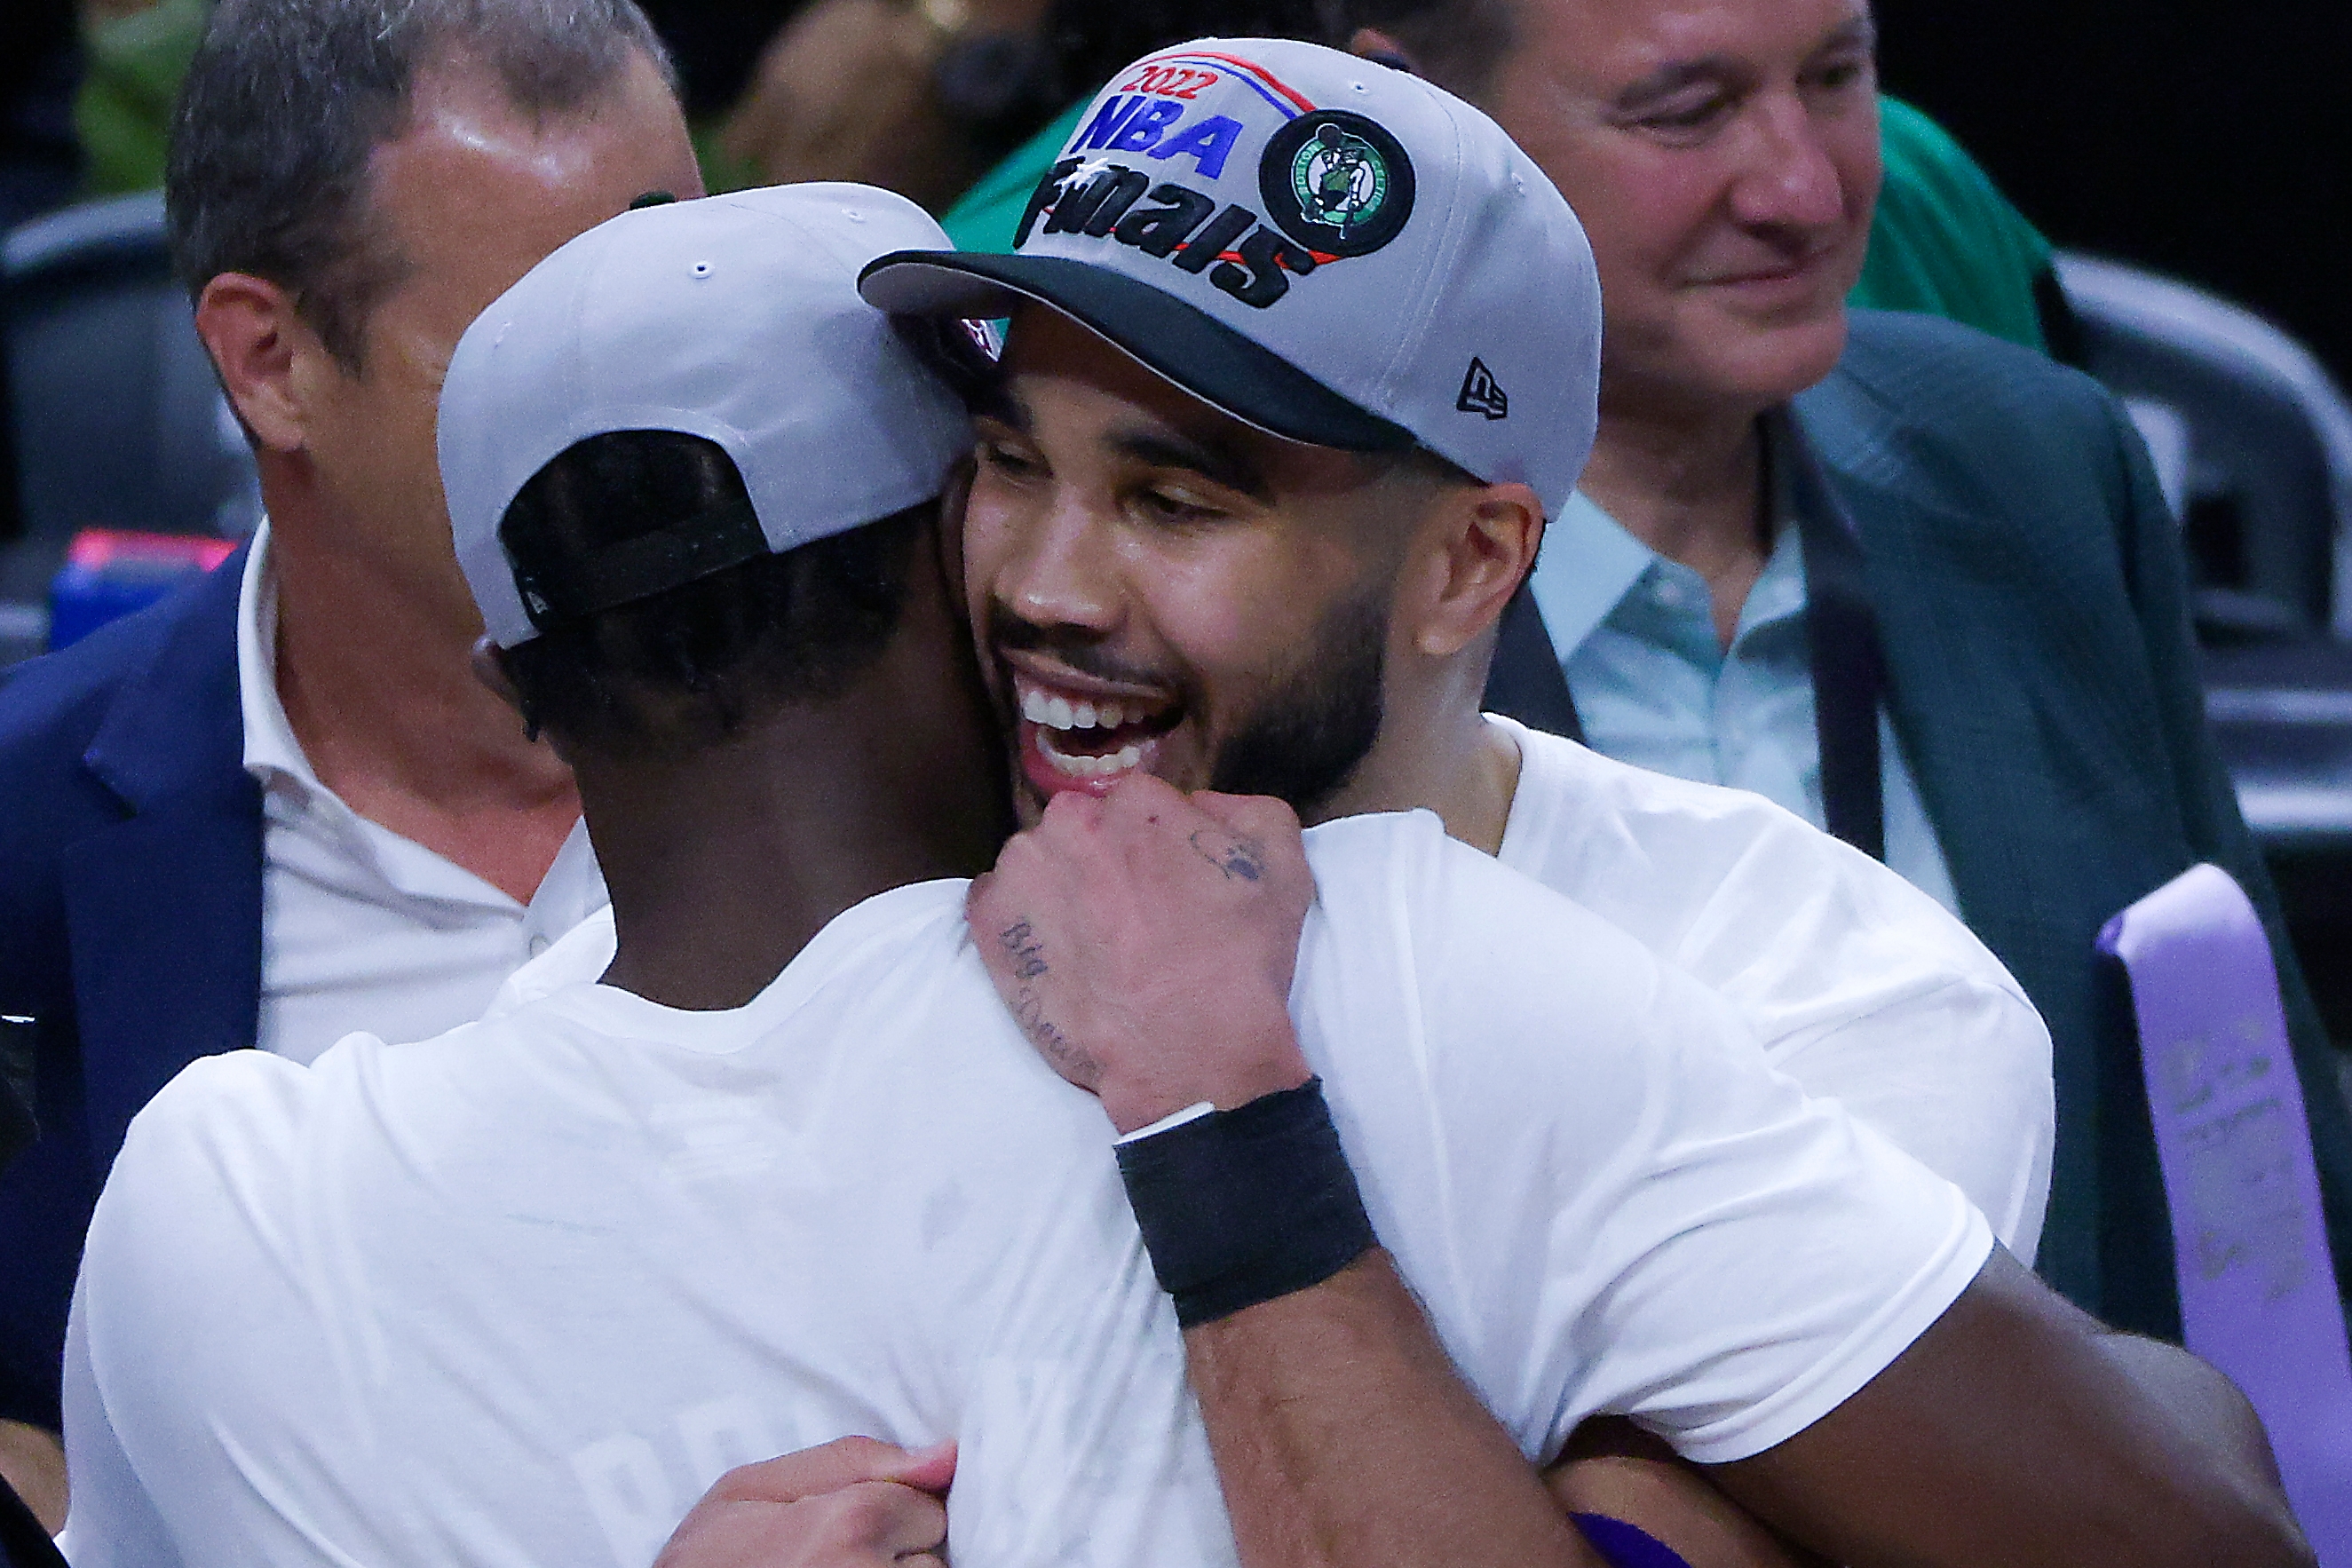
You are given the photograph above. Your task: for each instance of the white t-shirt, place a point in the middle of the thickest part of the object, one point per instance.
(518, 1294)
(1860, 985)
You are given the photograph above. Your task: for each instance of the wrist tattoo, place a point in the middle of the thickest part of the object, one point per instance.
(1242, 858)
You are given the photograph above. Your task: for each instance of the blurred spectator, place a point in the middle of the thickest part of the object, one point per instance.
(40, 166)
(1946, 242)
(278, 805)
(917, 96)
(137, 54)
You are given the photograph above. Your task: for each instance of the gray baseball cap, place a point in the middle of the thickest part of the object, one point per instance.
(1333, 250)
(733, 318)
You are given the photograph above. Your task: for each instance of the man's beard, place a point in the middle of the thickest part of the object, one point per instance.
(1306, 738)
(1308, 735)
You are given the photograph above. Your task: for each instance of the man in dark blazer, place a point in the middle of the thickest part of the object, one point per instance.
(1916, 585)
(278, 807)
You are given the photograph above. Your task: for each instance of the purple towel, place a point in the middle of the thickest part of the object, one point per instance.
(2258, 1294)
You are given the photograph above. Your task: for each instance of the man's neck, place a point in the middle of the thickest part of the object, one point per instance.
(724, 864)
(1450, 761)
(372, 664)
(1688, 485)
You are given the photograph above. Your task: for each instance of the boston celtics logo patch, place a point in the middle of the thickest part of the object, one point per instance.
(1337, 182)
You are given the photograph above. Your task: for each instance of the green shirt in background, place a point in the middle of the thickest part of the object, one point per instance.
(133, 66)
(1946, 242)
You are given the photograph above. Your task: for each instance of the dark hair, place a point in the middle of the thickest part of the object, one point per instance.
(286, 100)
(1457, 44)
(685, 668)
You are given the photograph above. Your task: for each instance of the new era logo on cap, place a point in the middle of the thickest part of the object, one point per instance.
(1482, 393)
(1315, 244)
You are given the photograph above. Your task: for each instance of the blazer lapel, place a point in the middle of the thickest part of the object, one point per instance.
(164, 907)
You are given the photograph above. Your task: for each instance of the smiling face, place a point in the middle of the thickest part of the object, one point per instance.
(1723, 157)
(1158, 587)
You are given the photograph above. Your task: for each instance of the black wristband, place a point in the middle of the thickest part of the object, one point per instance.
(1243, 1205)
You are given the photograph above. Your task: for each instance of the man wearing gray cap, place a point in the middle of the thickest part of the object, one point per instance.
(1224, 533)
(1245, 639)
(2004, 699)
(789, 1169)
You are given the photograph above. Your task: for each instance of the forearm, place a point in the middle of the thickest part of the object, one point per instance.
(1343, 1435)
(2202, 1403)
(2018, 1431)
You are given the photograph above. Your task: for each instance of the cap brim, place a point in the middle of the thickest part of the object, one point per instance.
(1180, 341)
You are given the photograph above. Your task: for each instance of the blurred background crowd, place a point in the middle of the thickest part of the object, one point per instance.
(2182, 159)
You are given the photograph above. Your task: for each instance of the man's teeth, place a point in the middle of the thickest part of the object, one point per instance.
(1087, 767)
(1058, 713)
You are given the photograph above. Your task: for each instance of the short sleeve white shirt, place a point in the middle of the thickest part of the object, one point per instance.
(516, 1296)
(360, 927)
(1861, 985)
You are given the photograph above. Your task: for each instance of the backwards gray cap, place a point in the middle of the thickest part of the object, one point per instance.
(733, 318)
(1333, 250)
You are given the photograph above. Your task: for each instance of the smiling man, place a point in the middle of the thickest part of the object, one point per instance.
(1250, 549)
(1916, 586)
(1281, 422)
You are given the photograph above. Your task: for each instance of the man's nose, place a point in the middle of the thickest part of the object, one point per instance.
(1062, 571)
(1790, 179)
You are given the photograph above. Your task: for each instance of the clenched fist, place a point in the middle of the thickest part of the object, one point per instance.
(1146, 943)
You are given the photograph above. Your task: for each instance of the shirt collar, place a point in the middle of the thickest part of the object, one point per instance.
(271, 751)
(1587, 564)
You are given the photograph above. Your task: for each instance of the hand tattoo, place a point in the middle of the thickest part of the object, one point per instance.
(1027, 952)
(1072, 1060)
(1242, 857)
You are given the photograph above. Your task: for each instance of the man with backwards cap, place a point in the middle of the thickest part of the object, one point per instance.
(791, 1170)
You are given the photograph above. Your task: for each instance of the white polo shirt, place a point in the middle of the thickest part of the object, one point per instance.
(518, 1295)
(362, 927)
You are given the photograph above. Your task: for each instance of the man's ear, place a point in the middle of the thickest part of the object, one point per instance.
(1487, 541)
(491, 671)
(1371, 44)
(259, 343)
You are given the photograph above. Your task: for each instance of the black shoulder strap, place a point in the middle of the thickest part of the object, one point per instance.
(1848, 668)
(1525, 682)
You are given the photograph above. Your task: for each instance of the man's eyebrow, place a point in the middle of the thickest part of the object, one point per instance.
(1674, 75)
(1214, 461)
(1672, 78)
(1861, 30)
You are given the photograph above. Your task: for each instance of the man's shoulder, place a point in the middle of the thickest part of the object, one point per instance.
(1913, 389)
(1710, 879)
(52, 707)
(1592, 827)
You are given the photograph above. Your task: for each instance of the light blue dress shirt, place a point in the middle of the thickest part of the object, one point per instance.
(1635, 636)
